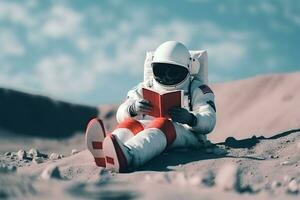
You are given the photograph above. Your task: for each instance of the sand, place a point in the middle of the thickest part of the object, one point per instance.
(253, 167)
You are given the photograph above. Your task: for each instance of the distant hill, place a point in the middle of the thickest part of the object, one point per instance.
(37, 115)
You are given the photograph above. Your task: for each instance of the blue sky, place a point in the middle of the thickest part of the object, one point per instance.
(92, 52)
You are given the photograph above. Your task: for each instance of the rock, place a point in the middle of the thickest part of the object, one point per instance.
(229, 177)
(271, 156)
(12, 168)
(7, 153)
(74, 151)
(208, 178)
(218, 151)
(38, 160)
(55, 156)
(50, 172)
(21, 154)
(13, 155)
(293, 187)
(7, 169)
(285, 163)
(34, 153)
(275, 184)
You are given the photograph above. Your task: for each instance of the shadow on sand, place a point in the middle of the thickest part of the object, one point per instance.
(177, 157)
(251, 142)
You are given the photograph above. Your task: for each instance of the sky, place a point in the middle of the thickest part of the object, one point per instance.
(92, 52)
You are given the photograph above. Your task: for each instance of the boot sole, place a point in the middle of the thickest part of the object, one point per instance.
(95, 134)
(114, 156)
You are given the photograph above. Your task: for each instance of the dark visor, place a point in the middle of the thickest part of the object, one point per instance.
(169, 74)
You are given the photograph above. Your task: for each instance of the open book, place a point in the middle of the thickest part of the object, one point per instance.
(163, 101)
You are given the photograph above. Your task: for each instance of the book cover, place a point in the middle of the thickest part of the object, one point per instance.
(162, 102)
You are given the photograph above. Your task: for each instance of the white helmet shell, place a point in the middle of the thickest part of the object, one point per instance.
(172, 52)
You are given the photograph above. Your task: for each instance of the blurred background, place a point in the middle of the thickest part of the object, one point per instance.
(92, 52)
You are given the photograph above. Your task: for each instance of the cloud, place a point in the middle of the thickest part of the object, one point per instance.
(61, 22)
(226, 54)
(10, 44)
(128, 46)
(61, 75)
(290, 10)
(18, 80)
(132, 54)
(268, 8)
(94, 42)
(16, 13)
(83, 43)
(129, 54)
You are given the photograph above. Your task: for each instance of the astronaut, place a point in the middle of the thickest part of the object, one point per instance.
(139, 137)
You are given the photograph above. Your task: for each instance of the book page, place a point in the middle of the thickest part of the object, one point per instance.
(162, 103)
(170, 100)
(154, 99)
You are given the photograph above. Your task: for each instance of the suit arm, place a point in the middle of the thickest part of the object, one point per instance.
(204, 110)
(123, 110)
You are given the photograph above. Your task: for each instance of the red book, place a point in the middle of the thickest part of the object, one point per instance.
(163, 101)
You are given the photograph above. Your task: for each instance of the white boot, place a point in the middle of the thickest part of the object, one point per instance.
(95, 134)
(135, 152)
(116, 154)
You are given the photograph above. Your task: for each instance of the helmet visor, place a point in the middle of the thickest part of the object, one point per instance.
(169, 74)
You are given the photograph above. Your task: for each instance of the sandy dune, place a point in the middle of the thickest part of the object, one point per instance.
(264, 105)
(252, 167)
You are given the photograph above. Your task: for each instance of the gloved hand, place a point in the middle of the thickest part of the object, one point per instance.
(182, 116)
(140, 106)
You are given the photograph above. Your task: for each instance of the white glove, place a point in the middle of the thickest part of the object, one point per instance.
(140, 106)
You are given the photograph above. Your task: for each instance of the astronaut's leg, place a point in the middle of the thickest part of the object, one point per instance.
(152, 141)
(95, 135)
(127, 129)
(186, 138)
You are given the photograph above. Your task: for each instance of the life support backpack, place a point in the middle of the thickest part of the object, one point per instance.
(198, 69)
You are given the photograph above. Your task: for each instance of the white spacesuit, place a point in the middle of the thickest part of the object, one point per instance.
(140, 137)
